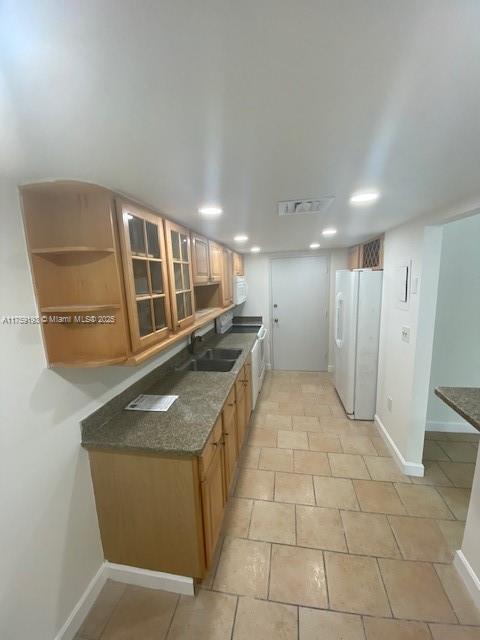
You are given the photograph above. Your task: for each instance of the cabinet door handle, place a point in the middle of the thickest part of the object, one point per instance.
(230, 404)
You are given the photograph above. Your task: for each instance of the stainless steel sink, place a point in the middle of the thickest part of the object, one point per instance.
(207, 364)
(221, 354)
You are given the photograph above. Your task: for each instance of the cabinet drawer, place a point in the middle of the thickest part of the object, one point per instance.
(213, 443)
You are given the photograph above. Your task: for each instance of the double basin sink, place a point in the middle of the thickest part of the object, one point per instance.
(212, 360)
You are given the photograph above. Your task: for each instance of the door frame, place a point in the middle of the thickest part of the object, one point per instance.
(323, 254)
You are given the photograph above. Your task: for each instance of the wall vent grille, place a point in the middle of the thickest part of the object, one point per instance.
(303, 206)
(371, 254)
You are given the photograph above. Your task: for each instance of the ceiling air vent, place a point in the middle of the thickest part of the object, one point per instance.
(296, 207)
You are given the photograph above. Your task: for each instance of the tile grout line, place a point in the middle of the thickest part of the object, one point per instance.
(165, 637)
(269, 571)
(234, 616)
(384, 586)
(445, 592)
(331, 550)
(344, 611)
(326, 578)
(362, 618)
(445, 502)
(113, 611)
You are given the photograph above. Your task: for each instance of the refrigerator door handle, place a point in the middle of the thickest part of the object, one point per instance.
(339, 319)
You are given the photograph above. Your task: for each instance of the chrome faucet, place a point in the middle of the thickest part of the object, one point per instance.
(193, 342)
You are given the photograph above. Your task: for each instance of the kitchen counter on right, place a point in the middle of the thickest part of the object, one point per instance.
(464, 400)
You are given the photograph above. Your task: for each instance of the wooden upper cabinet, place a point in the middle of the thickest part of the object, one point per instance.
(180, 275)
(354, 257)
(76, 267)
(207, 260)
(145, 270)
(114, 281)
(227, 278)
(368, 255)
(200, 259)
(216, 261)
(238, 265)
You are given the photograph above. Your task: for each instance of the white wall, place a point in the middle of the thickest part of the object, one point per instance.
(49, 533)
(257, 272)
(397, 358)
(404, 369)
(456, 346)
(400, 361)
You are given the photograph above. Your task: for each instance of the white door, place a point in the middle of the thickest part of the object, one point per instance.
(300, 313)
(345, 328)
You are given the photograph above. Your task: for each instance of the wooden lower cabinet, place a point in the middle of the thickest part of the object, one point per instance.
(248, 388)
(243, 398)
(240, 408)
(213, 502)
(150, 511)
(230, 439)
(165, 513)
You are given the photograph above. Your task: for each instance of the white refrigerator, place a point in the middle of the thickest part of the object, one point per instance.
(358, 300)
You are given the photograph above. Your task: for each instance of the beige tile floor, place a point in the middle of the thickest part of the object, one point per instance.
(323, 539)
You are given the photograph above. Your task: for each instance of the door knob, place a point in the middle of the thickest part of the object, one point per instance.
(276, 320)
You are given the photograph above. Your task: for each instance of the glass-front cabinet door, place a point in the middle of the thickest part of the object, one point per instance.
(180, 272)
(144, 262)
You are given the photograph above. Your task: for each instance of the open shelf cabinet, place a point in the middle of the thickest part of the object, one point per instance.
(74, 253)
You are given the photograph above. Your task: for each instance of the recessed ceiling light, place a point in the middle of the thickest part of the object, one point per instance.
(364, 197)
(241, 238)
(315, 245)
(329, 231)
(210, 210)
(255, 249)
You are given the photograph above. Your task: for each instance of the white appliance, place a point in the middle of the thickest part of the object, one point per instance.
(224, 322)
(358, 299)
(259, 354)
(240, 289)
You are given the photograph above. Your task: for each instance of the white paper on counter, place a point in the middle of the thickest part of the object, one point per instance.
(151, 403)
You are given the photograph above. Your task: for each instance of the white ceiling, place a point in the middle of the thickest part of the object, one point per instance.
(243, 103)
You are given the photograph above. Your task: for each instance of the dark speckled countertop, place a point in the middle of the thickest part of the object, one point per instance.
(183, 429)
(464, 400)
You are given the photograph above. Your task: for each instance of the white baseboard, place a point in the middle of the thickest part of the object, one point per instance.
(468, 575)
(452, 427)
(408, 468)
(83, 606)
(331, 368)
(150, 579)
(129, 575)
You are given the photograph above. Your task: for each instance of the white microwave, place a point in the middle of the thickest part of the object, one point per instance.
(240, 289)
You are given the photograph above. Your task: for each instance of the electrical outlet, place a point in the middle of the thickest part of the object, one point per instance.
(389, 403)
(406, 334)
